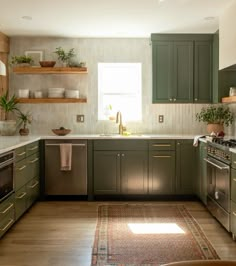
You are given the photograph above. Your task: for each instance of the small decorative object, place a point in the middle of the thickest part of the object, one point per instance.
(36, 56)
(23, 93)
(24, 119)
(47, 63)
(64, 57)
(22, 60)
(61, 131)
(215, 117)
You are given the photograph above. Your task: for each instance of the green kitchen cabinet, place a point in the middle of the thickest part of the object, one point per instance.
(185, 167)
(182, 68)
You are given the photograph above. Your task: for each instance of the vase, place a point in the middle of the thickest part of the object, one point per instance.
(24, 131)
(7, 127)
(215, 128)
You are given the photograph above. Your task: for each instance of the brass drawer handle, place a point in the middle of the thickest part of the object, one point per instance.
(234, 213)
(21, 168)
(22, 195)
(161, 156)
(234, 179)
(161, 145)
(234, 161)
(7, 225)
(35, 160)
(20, 154)
(7, 209)
(33, 148)
(34, 185)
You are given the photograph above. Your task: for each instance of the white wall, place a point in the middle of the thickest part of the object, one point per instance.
(227, 37)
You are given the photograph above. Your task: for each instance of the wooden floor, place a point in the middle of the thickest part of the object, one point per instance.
(61, 234)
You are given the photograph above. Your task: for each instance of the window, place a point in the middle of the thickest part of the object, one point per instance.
(119, 89)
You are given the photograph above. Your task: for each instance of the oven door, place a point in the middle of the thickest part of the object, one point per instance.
(218, 182)
(6, 179)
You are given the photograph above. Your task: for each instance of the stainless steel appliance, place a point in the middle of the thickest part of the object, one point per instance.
(6, 174)
(218, 179)
(73, 182)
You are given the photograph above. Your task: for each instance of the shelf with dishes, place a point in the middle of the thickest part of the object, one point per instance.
(51, 100)
(50, 70)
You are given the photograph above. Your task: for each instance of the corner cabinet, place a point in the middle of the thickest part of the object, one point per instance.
(182, 68)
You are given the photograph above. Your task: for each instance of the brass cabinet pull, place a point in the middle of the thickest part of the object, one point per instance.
(234, 179)
(21, 168)
(161, 145)
(34, 185)
(7, 225)
(33, 148)
(234, 213)
(35, 160)
(20, 154)
(7, 209)
(161, 156)
(234, 161)
(21, 196)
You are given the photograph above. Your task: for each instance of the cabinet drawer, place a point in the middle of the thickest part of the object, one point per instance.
(6, 206)
(162, 145)
(20, 153)
(233, 217)
(117, 145)
(20, 202)
(33, 166)
(21, 171)
(233, 185)
(32, 189)
(7, 221)
(32, 148)
(233, 160)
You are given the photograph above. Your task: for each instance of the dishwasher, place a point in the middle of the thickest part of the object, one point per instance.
(72, 182)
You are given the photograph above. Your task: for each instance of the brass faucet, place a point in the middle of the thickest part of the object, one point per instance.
(119, 120)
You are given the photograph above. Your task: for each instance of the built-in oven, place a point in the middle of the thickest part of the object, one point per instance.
(6, 174)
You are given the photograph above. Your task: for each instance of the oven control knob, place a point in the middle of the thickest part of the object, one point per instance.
(216, 195)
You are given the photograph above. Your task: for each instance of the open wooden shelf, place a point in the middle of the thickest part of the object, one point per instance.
(50, 70)
(231, 99)
(51, 100)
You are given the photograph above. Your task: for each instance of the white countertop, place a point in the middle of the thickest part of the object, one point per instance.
(8, 143)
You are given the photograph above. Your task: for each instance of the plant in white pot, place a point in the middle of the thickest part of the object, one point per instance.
(216, 117)
(8, 127)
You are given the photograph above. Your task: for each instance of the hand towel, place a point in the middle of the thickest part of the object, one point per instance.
(66, 156)
(196, 139)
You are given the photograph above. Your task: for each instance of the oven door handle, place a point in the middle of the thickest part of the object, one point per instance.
(226, 167)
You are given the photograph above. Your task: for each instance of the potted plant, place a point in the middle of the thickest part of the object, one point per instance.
(64, 57)
(8, 127)
(24, 120)
(215, 117)
(22, 60)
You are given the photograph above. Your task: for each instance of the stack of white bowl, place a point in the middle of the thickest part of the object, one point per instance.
(71, 94)
(56, 92)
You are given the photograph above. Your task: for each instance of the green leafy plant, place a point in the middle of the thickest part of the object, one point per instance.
(64, 56)
(220, 114)
(25, 118)
(21, 59)
(8, 105)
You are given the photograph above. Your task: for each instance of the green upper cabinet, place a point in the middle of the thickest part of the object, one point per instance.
(182, 68)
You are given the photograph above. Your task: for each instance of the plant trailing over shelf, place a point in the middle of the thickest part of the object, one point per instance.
(63, 56)
(22, 59)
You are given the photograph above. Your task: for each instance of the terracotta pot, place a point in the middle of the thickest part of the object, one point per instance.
(24, 131)
(216, 128)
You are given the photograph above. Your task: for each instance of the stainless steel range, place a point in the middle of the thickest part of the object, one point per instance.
(218, 179)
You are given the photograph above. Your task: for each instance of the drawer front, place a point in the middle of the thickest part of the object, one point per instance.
(33, 190)
(20, 174)
(233, 184)
(117, 145)
(233, 160)
(32, 166)
(162, 145)
(233, 217)
(7, 222)
(20, 153)
(32, 148)
(7, 206)
(20, 202)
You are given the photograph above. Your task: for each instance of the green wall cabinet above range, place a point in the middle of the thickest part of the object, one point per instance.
(182, 68)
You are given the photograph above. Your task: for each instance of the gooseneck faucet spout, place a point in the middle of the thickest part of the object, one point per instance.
(119, 120)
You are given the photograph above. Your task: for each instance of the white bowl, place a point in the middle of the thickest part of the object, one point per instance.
(23, 93)
(56, 95)
(62, 90)
(71, 94)
(38, 94)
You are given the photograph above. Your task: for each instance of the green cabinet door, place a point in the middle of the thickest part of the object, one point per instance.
(203, 72)
(134, 172)
(185, 167)
(161, 172)
(106, 172)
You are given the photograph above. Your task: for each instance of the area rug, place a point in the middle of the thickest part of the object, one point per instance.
(148, 235)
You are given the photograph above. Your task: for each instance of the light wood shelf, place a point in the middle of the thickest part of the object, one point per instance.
(51, 100)
(231, 99)
(50, 70)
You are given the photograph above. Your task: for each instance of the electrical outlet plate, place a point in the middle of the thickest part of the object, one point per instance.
(161, 118)
(80, 118)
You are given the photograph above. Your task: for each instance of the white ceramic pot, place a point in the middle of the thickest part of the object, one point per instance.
(7, 127)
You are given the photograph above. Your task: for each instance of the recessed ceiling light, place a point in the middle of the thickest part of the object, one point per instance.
(27, 17)
(209, 18)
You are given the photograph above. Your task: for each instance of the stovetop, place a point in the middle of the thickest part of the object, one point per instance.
(231, 143)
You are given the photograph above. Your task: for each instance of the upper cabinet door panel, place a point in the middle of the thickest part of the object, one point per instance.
(203, 72)
(162, 54)
(183, 72)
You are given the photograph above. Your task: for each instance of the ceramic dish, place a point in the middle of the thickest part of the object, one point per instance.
(61, 132)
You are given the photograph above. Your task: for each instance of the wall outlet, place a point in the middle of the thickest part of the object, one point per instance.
(161, 118)
(80, 118)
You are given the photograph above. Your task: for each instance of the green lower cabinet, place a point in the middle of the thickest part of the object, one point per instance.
(185, 167)
(106, 172)
(32, 166)
(32, 190)
(233, 219)
(162, 172)
(20, 202)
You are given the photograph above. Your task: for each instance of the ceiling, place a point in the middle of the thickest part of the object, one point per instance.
(109, 18)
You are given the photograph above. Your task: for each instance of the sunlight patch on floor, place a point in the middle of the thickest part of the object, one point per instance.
(155, 228)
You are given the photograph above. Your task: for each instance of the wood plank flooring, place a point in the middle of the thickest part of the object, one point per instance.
(58, 233)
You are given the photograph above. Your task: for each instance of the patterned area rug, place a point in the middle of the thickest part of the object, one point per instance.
(148, 235)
